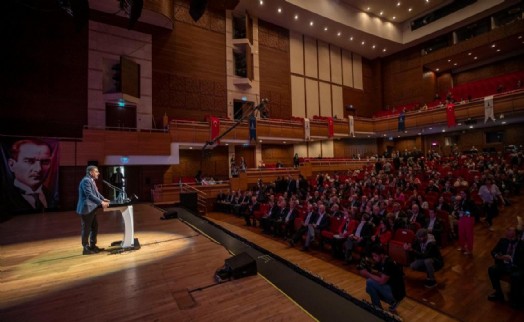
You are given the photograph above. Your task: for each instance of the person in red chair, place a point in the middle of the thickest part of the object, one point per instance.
(315, 227)
(249, 213)
(285, 226)
(361, 237)
(311, 216)
(427, 256)
(383, 233)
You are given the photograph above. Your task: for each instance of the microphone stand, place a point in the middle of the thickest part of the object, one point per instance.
(122, 197)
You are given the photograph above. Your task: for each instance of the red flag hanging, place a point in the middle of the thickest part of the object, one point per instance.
(450, 112)
(214, 123)
(331, 131)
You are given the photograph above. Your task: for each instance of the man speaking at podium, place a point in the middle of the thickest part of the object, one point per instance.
(89, 199)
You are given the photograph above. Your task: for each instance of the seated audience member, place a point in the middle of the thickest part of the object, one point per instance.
(361, 237)
(315, 228)
(427, 256)
(249, 213)
(383, 233)
(490, 195)
(384, 280)
(285, 226)
(266, 222)
(416, 217)
(347, 227)
(443, 205)
(509, 261)
(311, 216)
(435, 226)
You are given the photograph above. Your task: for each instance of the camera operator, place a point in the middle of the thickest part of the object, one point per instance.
(384, 279)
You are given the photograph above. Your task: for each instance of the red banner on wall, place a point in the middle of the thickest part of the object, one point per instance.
(450, 112)
(214, 124)
(331, 130)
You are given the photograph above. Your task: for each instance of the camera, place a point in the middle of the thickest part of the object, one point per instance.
(365, 264)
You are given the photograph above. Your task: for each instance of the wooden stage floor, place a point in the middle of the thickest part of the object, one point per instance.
(44, 277)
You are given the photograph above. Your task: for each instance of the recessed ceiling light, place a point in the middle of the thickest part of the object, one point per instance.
(339, 33)
(394, 18)
(475, 57)
(520, 37)
(373, 46)
(449, 60)
(368, 8)
(351, 38)
(325, 28)
(471, 126)
(381, 13)
(469, 54)
(455, 64)
(384, 50)
(427, 1)
(311, 23)
(363, 42)
(443, 130)
(493, 46)
(279, 10)
(410, 9)
(261, 2)
(398, 4)
(498, 50)
(437, 69)
(296, 17)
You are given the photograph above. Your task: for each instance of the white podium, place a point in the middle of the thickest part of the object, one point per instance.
(129, 242)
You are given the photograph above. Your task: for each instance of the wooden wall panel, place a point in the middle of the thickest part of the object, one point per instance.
(357, 72)
(278, 153)
(337, 101)
(496, 69)
(275, 82)
(351, 147)
(189, 70)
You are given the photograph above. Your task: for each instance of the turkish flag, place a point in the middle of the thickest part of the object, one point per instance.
(214, 123)
(450, 112)
(331, 131)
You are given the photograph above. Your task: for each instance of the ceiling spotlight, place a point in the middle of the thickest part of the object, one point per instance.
(373, 46)
(279, 10)
(384, 50)
(498, 50)
(311, 23)
(449, 60)
(261, 2)
(368, 8)
(296, 17)
(455, 64)
(410, 9)
(363, 42)
(325, 28)
(398, 4)
(381, 13)
(437, 69)
(475, 57)
(469, 54)
(351, 38)
(339, 33)
(471, 126)
(394, 18)
(493, 46)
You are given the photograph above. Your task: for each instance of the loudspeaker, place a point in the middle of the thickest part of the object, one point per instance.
(241, 265)
(92, 162)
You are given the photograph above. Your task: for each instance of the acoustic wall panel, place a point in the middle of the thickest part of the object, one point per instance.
(312, 105)
(323, 61)
(298, 96)
(347, 68)
(357, 72)
(325, 99)
(336, 64)
(338, 103)
(311, 57)
(296, 53)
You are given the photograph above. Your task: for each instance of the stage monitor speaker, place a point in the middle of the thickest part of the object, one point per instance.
(241, 265)
(188, 200)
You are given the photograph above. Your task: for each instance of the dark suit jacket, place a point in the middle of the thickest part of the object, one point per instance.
(88, 196)
(15, 203)
(431, 251)
(502, 248)
(324, 222)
